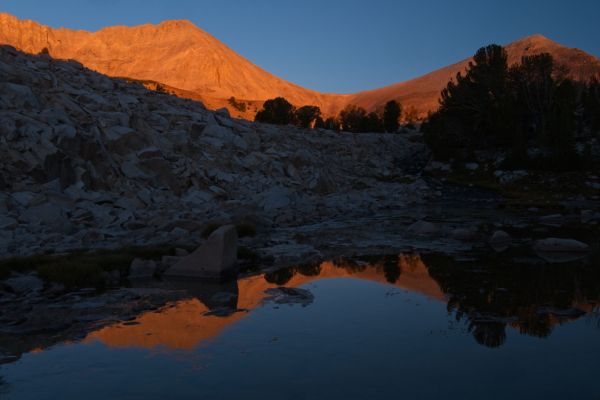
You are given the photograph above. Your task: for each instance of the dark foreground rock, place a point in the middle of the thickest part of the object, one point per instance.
(214, 259)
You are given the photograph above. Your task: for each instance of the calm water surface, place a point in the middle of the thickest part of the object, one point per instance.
(405, 327)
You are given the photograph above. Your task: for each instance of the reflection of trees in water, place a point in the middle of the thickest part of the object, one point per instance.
(597, 318)
(309, 269)
(391, 270)
(489, 334)
(282, 276)
(387, 265)
(492, 292)
(594, 316)
(531, 296)
(3, 386)
(351, 265)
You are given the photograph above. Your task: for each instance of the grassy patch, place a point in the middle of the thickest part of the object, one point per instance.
(82, 269)
(73, 274)
(22, 264)
(538, 189)
(244, 229)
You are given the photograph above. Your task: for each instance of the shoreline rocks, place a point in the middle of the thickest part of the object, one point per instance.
(558, 245)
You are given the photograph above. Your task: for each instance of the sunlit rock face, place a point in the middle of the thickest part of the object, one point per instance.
(194, 64)
(423, 93)
(176, 53)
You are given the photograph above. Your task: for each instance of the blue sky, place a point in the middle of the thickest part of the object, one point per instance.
(342, 45)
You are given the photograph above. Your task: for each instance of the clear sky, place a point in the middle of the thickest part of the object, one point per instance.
(342, 45)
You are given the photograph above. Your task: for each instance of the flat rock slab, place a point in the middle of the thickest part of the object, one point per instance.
(561, 245)
(284, 295)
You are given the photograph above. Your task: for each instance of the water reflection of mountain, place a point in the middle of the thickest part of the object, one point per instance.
(184, 325)
(489, 295)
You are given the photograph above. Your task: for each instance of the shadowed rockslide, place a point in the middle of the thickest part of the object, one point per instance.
(90, 161)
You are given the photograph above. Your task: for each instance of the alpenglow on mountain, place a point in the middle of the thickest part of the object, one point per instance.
(192, 63)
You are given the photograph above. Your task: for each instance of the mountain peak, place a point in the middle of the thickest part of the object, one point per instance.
(537, 37)
(535, 41)
(178, 24)
(182, 56)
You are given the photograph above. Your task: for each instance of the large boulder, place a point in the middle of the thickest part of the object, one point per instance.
(215, 259)
(552, 220)
(8, 222)
(500, 237)
(276, 198)
(49, 214)
(17, 96)
(218, 136)
(223, 112)
(556, 250)
(500, 241)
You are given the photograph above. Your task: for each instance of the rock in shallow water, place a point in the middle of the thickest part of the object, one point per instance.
(284, 295)
(500, 241)
(554, 250)
(500, 237)
(552, 220)
(561, 245)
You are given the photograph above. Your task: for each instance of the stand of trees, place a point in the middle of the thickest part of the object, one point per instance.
(497, 107)
(307, 116)
(238, 105)
(279, 111)
(391, 116)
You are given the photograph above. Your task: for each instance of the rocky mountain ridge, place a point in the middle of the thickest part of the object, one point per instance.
(175, 53)
(194, 64)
